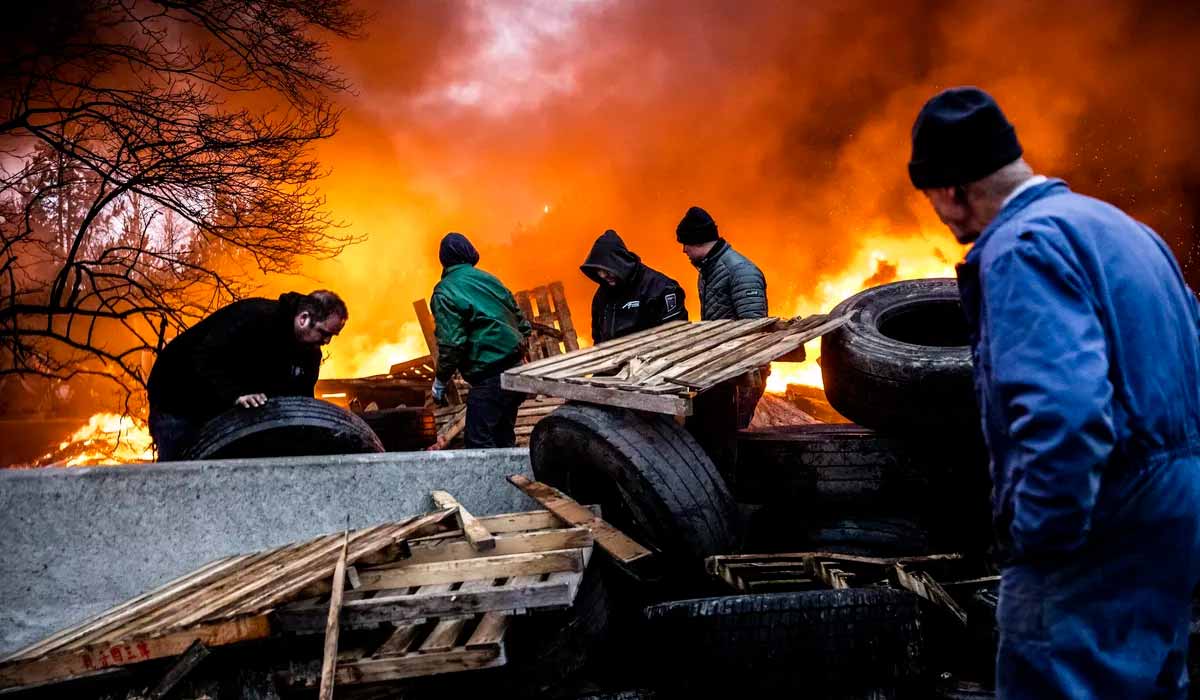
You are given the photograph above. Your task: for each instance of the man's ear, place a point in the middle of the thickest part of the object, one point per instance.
(959, 193)
(304, 319)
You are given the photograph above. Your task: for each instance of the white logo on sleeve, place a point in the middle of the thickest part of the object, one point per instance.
(632, 304)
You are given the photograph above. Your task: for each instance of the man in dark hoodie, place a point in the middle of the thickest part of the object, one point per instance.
(632, 296)
(731, 287)
(242, 355)
(480, 333)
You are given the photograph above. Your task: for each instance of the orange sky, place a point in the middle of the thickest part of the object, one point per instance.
(533, 126)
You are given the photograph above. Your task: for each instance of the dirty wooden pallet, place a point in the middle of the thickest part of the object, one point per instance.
(529, 414)
(223, 602)
(422, 648)
(553, 328)
(663, 368)
(928, 576)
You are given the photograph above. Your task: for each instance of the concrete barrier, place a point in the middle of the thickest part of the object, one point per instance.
(78, 541)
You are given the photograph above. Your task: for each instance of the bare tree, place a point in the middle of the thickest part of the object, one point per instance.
(153, 153)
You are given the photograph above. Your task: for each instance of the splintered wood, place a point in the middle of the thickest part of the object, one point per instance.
(661, 369)
(447, 581)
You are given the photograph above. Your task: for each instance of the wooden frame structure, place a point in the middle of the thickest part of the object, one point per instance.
(447, 566)
(662, 369)
(553, 328)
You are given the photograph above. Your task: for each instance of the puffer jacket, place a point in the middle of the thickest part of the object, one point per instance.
(731, 287)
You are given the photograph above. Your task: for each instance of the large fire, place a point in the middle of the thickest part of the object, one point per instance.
(106, 438)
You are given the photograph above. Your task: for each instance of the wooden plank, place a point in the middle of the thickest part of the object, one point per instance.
(444, 635)
(473, 530)
(787, 343)
(414, 665)
(511, 543)
(399, 641)
(191, 658)
(82, 661)
(400, 575)
(924, 585)
(605, 349)
(506, 523)
(648, 350)
(400, 605)
(667, 404)
(565, 323)
(618, 545)
(429, 330)
(329, 659)
(535, 351)
(547, 317)
(489, 632)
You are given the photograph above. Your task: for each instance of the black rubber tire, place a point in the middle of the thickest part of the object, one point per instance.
(870, 536)
(620, 695)
(285, 427)
(902, 362)
(835, 465)
(649, 476)
(821, 642)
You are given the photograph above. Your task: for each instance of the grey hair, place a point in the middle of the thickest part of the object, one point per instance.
(998, 185)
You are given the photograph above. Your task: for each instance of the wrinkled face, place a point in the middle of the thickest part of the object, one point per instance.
(309, 331)
(696, 251)
(609, 278)
(955, 210)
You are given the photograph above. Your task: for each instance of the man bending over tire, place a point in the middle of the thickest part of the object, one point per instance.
(480, 333)
(631, 296)
(242, 355)
(1087, 371)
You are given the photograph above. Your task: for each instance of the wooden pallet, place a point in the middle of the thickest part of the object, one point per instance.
(223, 602)
(553, 328)
(529, 414)
(930, 577)
(663, 368)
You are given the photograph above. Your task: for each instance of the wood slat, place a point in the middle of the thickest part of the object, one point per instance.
(512, 543)
(605, 349)
(473, 530)
(461, 570)
(649, 350)
(565, 323)
(618, 545)
(547, 317)
(489, 632)
(414, 665)
(444, 635)
(329, 657)
(668, 404)
(399, 641)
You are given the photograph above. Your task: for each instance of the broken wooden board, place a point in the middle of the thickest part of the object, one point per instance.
(476, 533)
(437, 646)
(617, 544)
(546, 310)
(756, 573)
(662, 369)
(223, 602)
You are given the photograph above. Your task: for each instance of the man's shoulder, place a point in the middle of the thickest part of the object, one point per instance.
(735, 261)
(654, 281)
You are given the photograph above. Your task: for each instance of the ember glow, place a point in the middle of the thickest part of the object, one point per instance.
(106, 438)
(532, 127)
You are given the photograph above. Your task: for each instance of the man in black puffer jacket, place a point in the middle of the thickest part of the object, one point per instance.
(242, 355)
(731, 287)
(631, 297)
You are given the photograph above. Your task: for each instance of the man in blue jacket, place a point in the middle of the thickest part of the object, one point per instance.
(1087, 371)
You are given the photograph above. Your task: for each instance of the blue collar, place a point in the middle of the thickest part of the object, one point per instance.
(1029, 196)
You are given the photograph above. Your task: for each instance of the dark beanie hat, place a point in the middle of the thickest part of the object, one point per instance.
(696, 227)
(457, 250)
(960, 136)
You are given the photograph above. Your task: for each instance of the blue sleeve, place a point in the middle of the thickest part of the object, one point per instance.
(1048, 361)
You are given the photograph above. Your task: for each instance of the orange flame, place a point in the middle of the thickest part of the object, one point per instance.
(106, 438)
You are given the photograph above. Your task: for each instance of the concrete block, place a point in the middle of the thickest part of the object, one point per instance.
(78, 541)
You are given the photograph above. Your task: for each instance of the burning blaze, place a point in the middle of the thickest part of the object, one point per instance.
(107, 438)
(880, 260)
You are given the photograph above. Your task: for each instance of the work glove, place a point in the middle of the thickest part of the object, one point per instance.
(439, 392)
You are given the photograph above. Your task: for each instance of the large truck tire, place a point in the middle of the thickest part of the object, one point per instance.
(649, 476)
(287, 426)
(902, 362)
(819, 643)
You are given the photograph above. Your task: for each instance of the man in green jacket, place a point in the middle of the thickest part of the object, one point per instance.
(480, 333)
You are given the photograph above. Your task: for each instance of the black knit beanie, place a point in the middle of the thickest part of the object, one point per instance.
(696, 227)
(457, 250)
(960, 136)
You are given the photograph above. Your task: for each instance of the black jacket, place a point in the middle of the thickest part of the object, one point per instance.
(643, 298)
(248, 347)
(731, 287)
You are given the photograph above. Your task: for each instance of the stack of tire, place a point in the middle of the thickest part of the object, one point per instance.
(899, 366)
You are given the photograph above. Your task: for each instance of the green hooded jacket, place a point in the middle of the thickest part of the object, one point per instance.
(480, 331)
